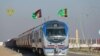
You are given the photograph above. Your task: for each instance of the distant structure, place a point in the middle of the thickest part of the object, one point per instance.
(77, 42)
(77, 37)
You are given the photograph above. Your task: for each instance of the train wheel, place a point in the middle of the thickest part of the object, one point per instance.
(34, 50)
(40, 51)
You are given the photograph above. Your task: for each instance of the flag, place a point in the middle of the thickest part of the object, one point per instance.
(62, 12)
(37, 14)
(10, 11)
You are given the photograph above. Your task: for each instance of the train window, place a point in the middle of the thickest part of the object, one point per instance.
(51, 32)
(39, 40)
(33, 40)
(40, 33)
(30, 34)
(36, 35)
(55, 25)
(56, 35)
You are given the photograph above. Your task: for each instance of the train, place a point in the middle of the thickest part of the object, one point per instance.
(48, 39)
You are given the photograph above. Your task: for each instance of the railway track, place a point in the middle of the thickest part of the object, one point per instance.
(26, 52)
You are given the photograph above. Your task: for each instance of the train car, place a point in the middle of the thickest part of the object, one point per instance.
(55, 38)
(49, 38)
(11, 43)
(31, 39)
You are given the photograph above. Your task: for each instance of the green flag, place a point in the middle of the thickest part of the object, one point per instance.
(62, 12)
(37, 14)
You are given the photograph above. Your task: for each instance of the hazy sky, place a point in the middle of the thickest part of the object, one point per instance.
(83, 15)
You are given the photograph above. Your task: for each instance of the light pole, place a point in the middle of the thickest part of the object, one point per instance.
(99, 32)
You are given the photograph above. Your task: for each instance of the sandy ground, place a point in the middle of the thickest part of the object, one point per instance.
(8, 52)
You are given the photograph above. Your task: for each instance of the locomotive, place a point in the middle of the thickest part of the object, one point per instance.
(49, 39)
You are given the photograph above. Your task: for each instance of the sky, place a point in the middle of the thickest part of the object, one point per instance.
(83, 15)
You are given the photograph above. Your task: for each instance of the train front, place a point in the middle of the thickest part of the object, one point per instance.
(55, 38)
